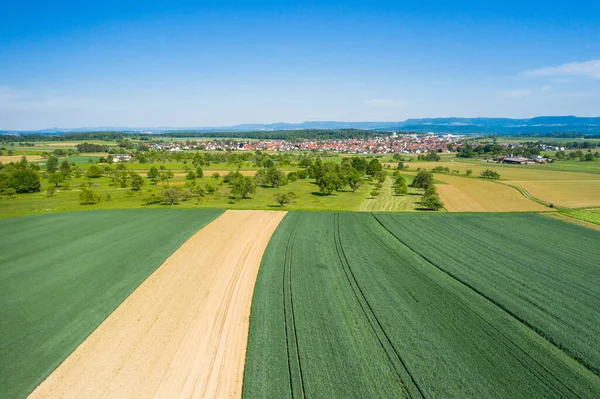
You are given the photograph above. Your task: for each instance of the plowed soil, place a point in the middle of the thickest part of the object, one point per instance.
(183, 332)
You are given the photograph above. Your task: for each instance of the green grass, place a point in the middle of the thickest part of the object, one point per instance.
(389, 202)
(308, 198)
(383, 305)
(588, 215)
(62, 275)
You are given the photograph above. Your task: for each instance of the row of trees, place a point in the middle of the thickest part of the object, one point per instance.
(431, 199)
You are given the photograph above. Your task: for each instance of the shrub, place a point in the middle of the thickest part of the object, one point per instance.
(171, 196)
(87, 196)
(94, 172)
(490, 174)
(24, 181)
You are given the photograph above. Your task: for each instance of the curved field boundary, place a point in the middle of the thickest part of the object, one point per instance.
(462, 194)
(183, 332)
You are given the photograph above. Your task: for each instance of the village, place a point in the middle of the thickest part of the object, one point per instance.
(411, 143)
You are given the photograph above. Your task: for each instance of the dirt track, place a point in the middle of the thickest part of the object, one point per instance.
(183, 332)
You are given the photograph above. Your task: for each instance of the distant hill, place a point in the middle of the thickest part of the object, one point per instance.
(537, 125)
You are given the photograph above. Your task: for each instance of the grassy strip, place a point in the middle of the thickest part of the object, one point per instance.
(587, 215)
(62, 275)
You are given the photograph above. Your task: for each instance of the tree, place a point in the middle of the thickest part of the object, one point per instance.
(329, 182)
(490, 174)
(94, 172)
(199, 172)
(137, 181)
(469, 172)
(56, 179)
(52, 164)
(216, 176)
(380, 176)
(354, 180)
(400, 187)
(87, 196)
(374, 167)
(24, 181)
(50, 191)
(271, 177)
(65, 169)
(423, 179)
(153, 174)
(284, 198)
(401, 166)
(171, 196)
(243, 186)
(191, 175)
(374, 193)
(431, 199)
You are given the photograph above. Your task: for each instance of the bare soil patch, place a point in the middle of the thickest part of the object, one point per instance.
(183, 332)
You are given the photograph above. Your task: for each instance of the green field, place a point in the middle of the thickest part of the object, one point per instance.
(588, 215)
(387, 201)
(62, 275)
(381, 305)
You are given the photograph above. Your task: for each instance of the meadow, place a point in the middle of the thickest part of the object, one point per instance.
(446, 305)
(61, 275)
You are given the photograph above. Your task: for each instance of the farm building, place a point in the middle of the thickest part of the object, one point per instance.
(517, 160)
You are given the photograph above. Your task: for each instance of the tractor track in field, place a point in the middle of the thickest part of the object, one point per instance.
(370, 315)
(557, 381)
(287, 275)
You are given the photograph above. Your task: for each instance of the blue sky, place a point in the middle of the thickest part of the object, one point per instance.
(210, 63)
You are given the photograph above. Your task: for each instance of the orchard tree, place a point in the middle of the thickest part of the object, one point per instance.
(52, 164)
(423, 179)
(431, 199)
(243, 186)
(374, 167)
(65, 169)
(329, 182)
(354, 180)
(56, 179)
(284, 198)
(153, 174)
(171, 196)
(94, 172)
(137, 181)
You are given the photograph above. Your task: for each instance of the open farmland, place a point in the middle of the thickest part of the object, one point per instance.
(565, 193)
(462, 194)
(387, 201)
(61, 275)
(383, 305)
(183, 332)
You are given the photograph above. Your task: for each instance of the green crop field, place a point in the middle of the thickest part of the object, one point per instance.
(588, 215)
(426, 305)
(61, 275)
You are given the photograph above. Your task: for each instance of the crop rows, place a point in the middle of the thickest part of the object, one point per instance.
(61, 275)
(424, 306)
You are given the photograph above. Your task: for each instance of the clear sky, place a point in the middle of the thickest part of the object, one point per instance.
(208, 63)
